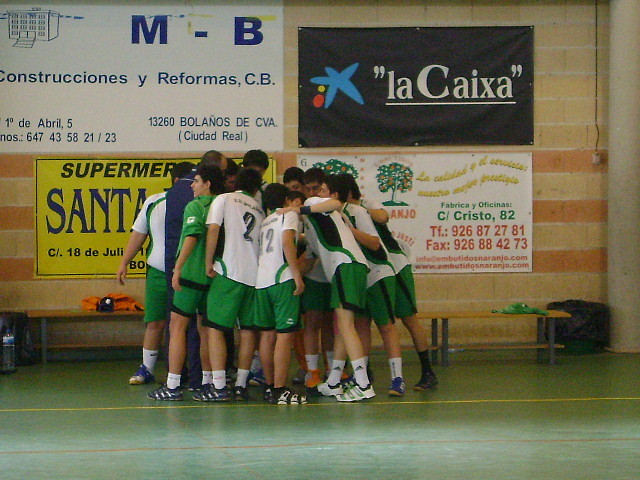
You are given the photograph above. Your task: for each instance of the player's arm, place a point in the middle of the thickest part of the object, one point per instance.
(379, 215)
(289, 247)
(213, 231)
(187, 247)
(136, 240)
(369, 241)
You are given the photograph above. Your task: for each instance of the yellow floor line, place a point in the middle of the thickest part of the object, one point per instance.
(176, 405)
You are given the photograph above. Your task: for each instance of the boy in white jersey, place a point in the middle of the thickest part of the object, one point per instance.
(150, 224)
(405, 302)
(234, 222)
(189, 282)
(278, 288)
(346, 267)
(381, 288)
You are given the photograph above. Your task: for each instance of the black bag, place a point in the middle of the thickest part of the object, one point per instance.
(589, 321)
(18, 323)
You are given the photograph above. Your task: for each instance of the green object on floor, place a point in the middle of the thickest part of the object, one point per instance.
(519, 308)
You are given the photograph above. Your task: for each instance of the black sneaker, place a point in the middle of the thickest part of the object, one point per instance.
(426, 382)
(211, 394)
(166, 394)
(268, 394)
(240, 393)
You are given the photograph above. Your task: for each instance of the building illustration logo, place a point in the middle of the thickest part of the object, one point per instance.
(28, 26)
(336, 82)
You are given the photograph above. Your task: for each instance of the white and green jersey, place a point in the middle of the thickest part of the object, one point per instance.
(258, 195)
(193, 225)
(150, 221)
(240, 218)
(380, 265)
(397, 256)
(330, 239)
(272, 264)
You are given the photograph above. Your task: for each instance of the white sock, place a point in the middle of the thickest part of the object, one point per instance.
(336, 372)
(256, 364)
(207, 377)
(395, 365)
(241, 380)
(312, 362)
(360, 372)
(173, 380)
(329, 354)
(149, 358)
(219, 379)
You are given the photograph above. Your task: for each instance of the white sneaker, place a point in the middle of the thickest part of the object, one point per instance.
(356, 394)
(328, 391)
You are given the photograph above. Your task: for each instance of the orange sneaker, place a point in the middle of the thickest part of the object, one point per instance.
(313, 378)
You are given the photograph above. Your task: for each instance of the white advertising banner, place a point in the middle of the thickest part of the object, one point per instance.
(135, 78)
(452, 213)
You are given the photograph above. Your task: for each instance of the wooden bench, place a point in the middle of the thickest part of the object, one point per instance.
(545, 324)
(47, 316)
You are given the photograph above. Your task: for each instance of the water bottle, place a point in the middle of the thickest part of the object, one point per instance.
(8, 352)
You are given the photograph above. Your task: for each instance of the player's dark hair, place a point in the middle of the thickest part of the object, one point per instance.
(179, 170)
(293, 194)
(213, 174)
(353, 186)
(314, 174)
(232, 167)
(274, 196)
(256, 158)
(293, 173)
(214, 157)
(339, 184)
(248, 180)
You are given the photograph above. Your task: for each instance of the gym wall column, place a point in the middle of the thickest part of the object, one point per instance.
(624, 176)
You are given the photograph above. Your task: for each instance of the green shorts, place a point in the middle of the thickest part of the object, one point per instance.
(155, 296)
(349, 287)
(277, 308)
(229, 302)
(380, 299)
(405, 305)
(191, 299)
(316, 296)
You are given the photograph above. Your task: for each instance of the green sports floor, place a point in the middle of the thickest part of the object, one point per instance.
(495, 415)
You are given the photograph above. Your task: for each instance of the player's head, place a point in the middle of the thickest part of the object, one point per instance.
(313, 180)
(215, 157)
(256, 159)
(338, 186)
(179, 170)
(248, 180)
(208, 177)
(230, 175)
(354, 189)
(293, 179)
(295, 199)
(274, 196)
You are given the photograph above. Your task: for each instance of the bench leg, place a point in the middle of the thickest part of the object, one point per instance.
(43, 340)
(551, 325)
(540, 339)
(434, 340)
(445, 342)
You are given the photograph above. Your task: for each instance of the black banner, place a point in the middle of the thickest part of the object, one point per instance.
(415, 86)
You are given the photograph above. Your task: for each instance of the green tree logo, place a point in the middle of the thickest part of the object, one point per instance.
(394, 177)
(335, 166)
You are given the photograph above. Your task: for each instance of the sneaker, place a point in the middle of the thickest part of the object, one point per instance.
(313, 379)
(330, 390)
(211, 394)
(257, 379)
(287, 397)
(267, 394)
(424, 383)
(397, 387)
(240, 393)
(299, 377)
(165, 393)
(356, 394)
(231, 373)
(432, 378)
(142, 376)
